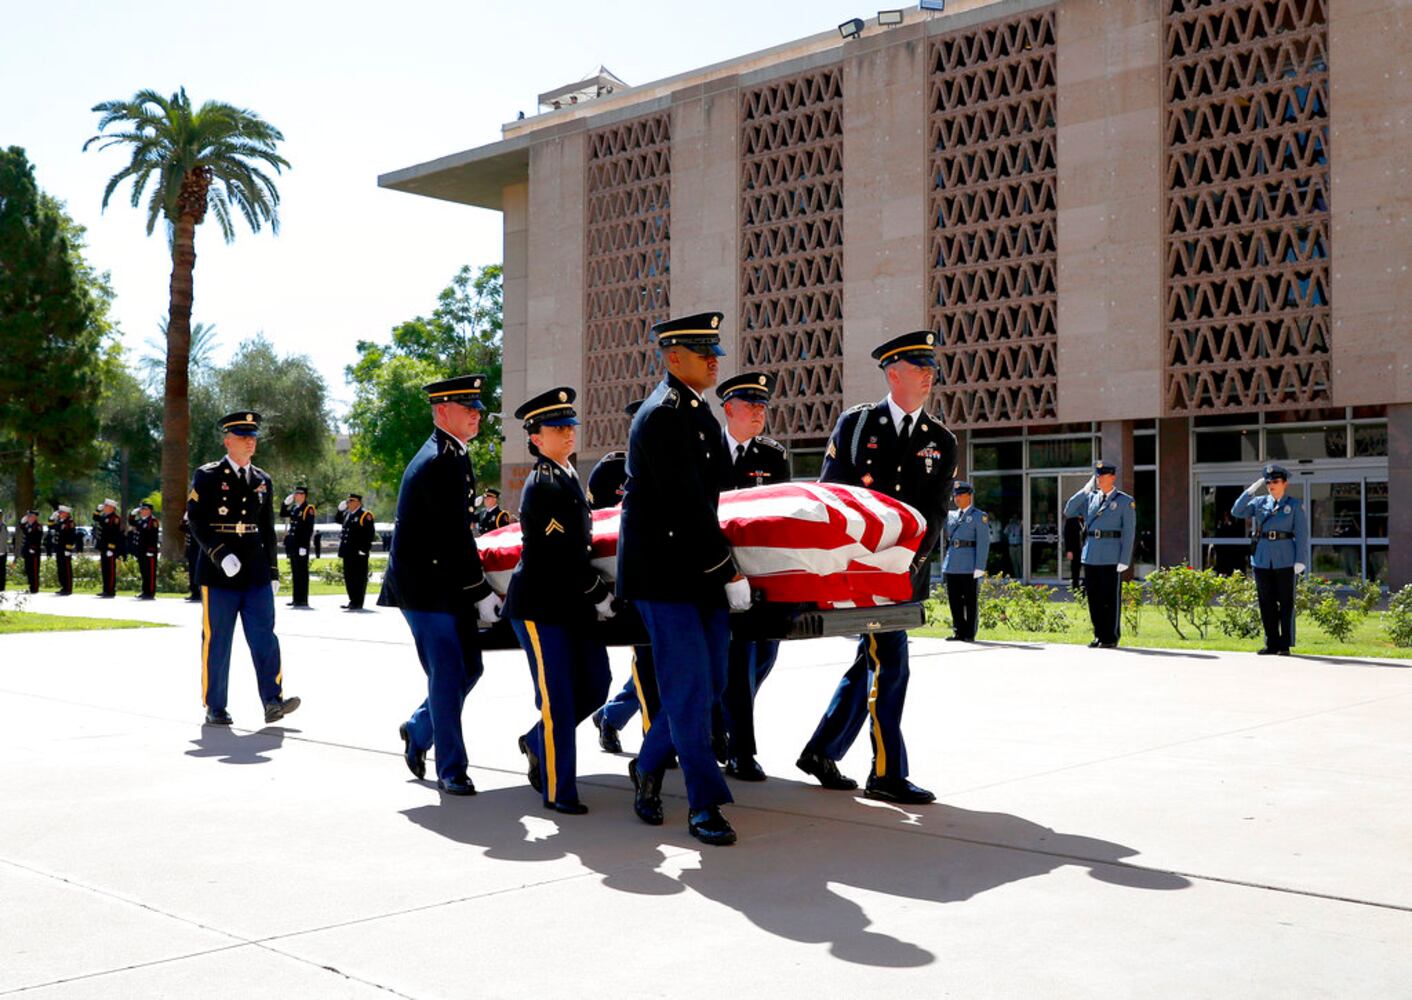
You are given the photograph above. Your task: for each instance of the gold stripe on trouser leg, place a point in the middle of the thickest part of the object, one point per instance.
(880, 757)
(641, 701)
(205, 641)
(544, 714)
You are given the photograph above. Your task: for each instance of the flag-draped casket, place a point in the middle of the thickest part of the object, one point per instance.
(825, 544)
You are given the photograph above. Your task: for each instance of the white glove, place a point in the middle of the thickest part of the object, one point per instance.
(1091, 485)
(488, 608)
(289, 500)
(605, 608)
(343, 505)
(274, 586)
(230, 564)
(1122, 567)
(303, 552)
(977, 573)
(1255, 486)
(1298, 569)
(738, 594)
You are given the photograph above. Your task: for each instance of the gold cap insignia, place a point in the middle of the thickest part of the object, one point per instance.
(715, 322)
(764, 380)
(931, 339)
(563, 397)
(249, 416)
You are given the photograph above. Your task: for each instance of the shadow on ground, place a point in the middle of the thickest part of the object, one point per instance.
(230, 746)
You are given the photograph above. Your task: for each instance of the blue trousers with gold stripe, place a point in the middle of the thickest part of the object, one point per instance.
(449, 650)
(571, 676)
(256, 608)
(751, 661)
(640, 691)
(873, 690)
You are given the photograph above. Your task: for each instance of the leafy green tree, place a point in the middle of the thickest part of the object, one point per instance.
(290, 395)
(390, 416)
(199, 160)
(131, 428)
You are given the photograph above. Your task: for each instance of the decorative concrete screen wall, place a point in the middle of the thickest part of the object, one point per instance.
(1247, 204)
(791, 248)
(991, 286)
(627, 264)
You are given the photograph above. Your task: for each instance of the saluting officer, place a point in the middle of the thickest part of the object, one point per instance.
(356, 542)
(492, 515)
(675, 565)
(31, 547)
(148, 542)
(4, 549)
(1109, 530)
(230, 512)
(1280, 540)
(553, 599)
(65, 544)
(967, 535)
(755, 460)
(108, 539)
(299, 532)
(434, 576)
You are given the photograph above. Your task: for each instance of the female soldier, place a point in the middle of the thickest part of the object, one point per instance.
(1280, 542)
(552, 600)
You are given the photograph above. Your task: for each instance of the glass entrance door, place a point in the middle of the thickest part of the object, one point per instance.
(1048, 493)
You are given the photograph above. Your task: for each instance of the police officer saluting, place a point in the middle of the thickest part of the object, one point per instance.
(1109, 529)
(1280, 551)
(434, 576)
(230, 513)
(30, 544)
(967, 549)
(354, 545)
(298, 535)
(65, 544)
(675, 565)
(108, 539)
(4, 549)
(894, 447)
(492, 515)
(149, 533)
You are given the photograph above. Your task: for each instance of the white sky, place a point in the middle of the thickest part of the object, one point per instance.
(358, 89)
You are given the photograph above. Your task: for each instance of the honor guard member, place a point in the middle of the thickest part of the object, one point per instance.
(554, 598)
(1279, 539)
(108, 539)
(492, 515)
(354, 546)
(298, 535)
(148, 545)
(230, 512)
(4, 549)
(967, 537)
(65, 544)
(30, 545)
(675, 565)
(894, 447)
(434, 576)
(1109, 529)
(755, 460)
(191, 550)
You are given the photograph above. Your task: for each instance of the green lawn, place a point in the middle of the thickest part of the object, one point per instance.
(32, 621)
(1368, 639)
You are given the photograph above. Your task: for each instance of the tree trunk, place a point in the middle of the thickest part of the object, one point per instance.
(176, 403)
(25, 486)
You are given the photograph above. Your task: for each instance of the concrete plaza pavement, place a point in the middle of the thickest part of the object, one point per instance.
(1110, 824)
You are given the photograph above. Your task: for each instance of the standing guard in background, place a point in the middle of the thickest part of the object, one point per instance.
(191, 551)
(149, 535)
(4, 549)
(1279, 539)
(896, 448)
(492, 515)
(1073, 540)
(1109, 530)
(30, 547)
(354, 546)
(297, 538)
(65, 543)
(434, 576)
(230, 512)
(108, 540)
(967, 539)
(755, 460)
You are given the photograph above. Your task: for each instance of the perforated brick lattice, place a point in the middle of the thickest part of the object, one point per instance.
(1247, 204)
(791, 247)
(627, 264)
(991, 288)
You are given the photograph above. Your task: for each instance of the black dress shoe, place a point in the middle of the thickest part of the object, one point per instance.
(607, 735)
(954, 638)
(1266, 651)
(745, 768)
(826, 771)
(567, 808)
(720, 746)
(416, 759)
(193, 600)
(1094, 644)
(1282, 652)
(277, 710)
(897, 790)
(710, 827)
(218, 717)
(647, 795)
(1107, 645)
(536, 779)
(671, 763)
(456, 785)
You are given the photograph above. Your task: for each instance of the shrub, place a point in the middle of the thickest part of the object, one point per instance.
(1185, 594)
(1239, 607)
(1132, 605)
(1309, 592)
(1399, 617)
(1337, 619)
(1025, 608)
(937, 609)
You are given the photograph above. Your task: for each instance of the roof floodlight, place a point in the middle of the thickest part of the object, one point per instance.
(889, 18)
(852, 28)
(932, 4)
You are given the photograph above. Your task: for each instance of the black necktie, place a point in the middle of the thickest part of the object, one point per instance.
(739, 452)
(244, 481)
(906, 428)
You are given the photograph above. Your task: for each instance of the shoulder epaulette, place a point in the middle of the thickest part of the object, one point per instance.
(859, 408)
(770, 442)
(209, 466)
(672, 399)
(544, 472)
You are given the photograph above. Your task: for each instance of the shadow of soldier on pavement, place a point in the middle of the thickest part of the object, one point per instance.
(232, 747)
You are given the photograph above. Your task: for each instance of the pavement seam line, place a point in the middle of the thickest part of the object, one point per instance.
(126, 968)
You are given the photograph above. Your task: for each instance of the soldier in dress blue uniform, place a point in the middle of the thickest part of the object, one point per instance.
(967, 536)
(4, 549)
(147, 547)
(1280, 538)
(65, 544)
(492, 515)
(894, 447)
(192, 552)
(675, 565)
(354, 546)
(30, 545)
(108, 540)
(755, 460)
(1109, 530)
(230, 512)
(298, 536)
(434, 576)
(554, 598)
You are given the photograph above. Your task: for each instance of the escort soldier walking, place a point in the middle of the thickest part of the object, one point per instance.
(967, 535)
(149, 541)
(354, 546)
(108, 540)
(65, 543)
(230, 513)
(553, 599)
(675, 565)
(30, 544)
(434, 576)
(1279, 539)
(1109, 529)
(492, 515)
(755, 460)
(894, 447)
(298, 536)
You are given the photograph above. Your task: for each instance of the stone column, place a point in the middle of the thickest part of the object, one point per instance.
(1399, 490)
(515, 202)
(1116, 445)
(1173, 491)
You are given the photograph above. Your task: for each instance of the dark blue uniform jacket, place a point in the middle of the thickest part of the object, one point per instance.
(555, 580)
(228, 516)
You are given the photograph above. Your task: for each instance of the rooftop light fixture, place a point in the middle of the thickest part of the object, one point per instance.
(932, 4)
(889, 18)
(851, 29)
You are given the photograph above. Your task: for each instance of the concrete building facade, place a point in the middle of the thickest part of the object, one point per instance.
(1172, 233)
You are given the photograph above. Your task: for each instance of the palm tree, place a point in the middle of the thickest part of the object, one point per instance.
(206, 159)
(202, 347)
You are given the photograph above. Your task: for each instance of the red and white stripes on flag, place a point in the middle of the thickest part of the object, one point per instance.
(826, 544)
